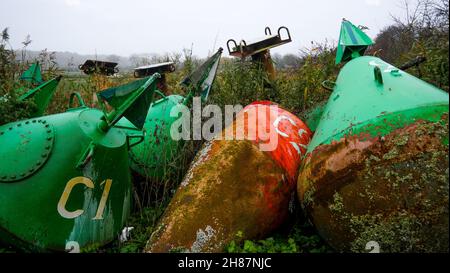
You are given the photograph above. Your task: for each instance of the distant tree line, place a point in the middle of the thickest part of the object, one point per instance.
(421, 33)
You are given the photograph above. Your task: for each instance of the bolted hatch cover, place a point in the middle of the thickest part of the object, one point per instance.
(25, 148)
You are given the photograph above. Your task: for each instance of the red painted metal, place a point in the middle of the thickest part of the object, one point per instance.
(235, 186)
(286, 153)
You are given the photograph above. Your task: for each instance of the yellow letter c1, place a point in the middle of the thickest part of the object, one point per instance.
(65, 195)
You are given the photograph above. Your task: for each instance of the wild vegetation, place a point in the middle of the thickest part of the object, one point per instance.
(298, 88)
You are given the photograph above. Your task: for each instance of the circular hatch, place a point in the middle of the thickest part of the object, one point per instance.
(25, 148)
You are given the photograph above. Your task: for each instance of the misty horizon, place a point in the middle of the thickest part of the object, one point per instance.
(142, 27)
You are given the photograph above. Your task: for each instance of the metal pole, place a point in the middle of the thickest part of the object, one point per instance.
(265, 59)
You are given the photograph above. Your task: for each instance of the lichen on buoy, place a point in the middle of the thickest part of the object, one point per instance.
(235, 186)
(376, 169)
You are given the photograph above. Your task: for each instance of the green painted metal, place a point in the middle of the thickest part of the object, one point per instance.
(123, 100)
(153, 155)
(65, 178)
(312, 117)
(353, 42)
(374, 97)
(33, 74)
(17, 142)
(200, 81)
(42, 95)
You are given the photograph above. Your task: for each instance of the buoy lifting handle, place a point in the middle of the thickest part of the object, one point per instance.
(81, 102)
(287, 32)
(130, 144)
(228, 45)
(242, 44)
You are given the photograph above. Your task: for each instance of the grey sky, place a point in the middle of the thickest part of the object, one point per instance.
(124, 27)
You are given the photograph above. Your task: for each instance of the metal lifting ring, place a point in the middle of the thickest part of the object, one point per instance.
(79, 98)
(228, 45)
(242, 44)
(139, 137)
(287, 31)
(160, 93)
(328, 85)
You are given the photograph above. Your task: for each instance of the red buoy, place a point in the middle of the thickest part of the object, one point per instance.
(241, 181)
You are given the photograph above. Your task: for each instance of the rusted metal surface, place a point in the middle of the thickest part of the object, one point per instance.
(265, 60)
(99, 67)
(414, 62)
(148, 70)
(161, 68)
(259, 49)
(269, 41)
(226, 191)
(233, 186)
(376, 170)
(391, 189)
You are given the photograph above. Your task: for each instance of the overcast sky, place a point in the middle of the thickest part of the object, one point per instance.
(124, 27)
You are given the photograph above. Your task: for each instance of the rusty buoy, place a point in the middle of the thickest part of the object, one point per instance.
(236, 185)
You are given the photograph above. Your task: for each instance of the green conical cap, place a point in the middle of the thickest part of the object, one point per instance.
(360, 103)
(200, 80)
(131, 100)
(353, 42)
(33, 74)
(42, 95)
